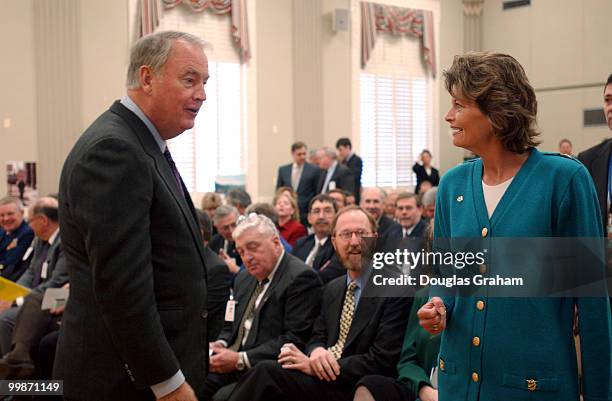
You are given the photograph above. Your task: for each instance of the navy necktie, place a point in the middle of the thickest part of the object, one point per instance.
(175, 172)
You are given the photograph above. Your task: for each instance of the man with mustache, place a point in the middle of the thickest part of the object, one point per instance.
(316, 249)
(354, 335)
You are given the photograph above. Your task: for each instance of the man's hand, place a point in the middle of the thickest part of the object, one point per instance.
(324, 365)
(216, 346)
(57, 311)
(432, 316)
(230, 262)
(427, 393)
(291, 357)
(223, 361)
(4, 305)
(183, 393)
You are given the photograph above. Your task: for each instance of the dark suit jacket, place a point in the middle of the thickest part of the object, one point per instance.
(57, 270)
(285, 314)
(12, 264)
(216, 244)
(419, 230)
(355, 164)
(388, 228)
(342, 177)
(307, 187)
(219, 282)
(326, 264)
(421, 175)
(596, 161)
(374, 340)
(137, 307)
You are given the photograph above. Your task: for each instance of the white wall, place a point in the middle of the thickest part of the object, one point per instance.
(564, 46)
(17, 97)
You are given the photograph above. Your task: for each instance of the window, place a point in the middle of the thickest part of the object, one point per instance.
(213, 150)
(395, 102)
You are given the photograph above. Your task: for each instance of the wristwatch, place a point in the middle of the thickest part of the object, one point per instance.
(240, 365)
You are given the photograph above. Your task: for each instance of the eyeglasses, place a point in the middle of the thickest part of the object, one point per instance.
(327, 210)
(347, 235)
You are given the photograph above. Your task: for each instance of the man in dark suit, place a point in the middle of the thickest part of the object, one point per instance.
(276, 300)
(353, 336)
(222, 243)
(47, 268)
(134, 327)
(15, 238)
(334, 174)
(316, 249)
(349, 159)
(301, 176)
(408, 213)
(598, 161)
(372, 200)
(218, 281)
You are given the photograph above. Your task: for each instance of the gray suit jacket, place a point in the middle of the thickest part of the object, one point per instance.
(137, 306)
(57, 270)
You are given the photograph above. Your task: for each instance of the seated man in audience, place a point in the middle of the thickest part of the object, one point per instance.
(222, 243)
(47, 268)
(350, 200)
(389, 208)
(408, 211)
(339, 197)
(316, 249)
(218, 281)
(372, 200)
(15, 238)
(276, 300)
(239, 198)
(354, 335)
(429, 203)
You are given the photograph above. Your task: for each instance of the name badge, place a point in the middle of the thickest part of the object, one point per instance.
(44, 270)
(230, 310)
(332, 185)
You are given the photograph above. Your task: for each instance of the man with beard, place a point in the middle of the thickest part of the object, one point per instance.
(316, 249)
(354, 335)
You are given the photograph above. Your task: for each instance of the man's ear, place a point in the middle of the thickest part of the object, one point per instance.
(146, 76)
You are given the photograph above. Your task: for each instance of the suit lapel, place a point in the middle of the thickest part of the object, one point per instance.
(335, 312)
(361, 318)
(278, 276)
(163, 169)
(243, 301)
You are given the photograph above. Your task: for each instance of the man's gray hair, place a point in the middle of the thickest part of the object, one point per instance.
(258, 222)
(329, 152)
(224, 211)
(153, 50)
(381, 192)
(7, 200)
(429, 197)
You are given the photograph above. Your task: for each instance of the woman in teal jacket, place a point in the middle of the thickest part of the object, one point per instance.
(513, 348)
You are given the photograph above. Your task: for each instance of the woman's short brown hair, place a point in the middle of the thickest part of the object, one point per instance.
(499, 85)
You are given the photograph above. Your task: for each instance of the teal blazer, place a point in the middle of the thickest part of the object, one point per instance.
(523, 348)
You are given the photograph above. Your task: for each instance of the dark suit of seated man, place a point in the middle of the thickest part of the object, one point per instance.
(277, 299)
(354, 336)
(15, 238)
(316, 249)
